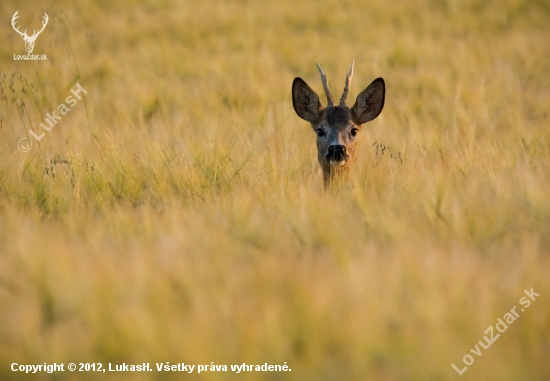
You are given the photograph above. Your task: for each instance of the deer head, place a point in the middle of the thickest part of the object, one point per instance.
(29, 40)
(337, 126)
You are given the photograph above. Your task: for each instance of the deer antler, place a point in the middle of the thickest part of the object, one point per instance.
(44, 23)
(15, 17)
(348, 83)
(24, 34)
(330, 100)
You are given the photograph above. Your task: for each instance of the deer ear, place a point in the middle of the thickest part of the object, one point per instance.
(369, 103)
(305, 101)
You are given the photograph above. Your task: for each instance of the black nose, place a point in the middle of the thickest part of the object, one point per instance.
(336, 152)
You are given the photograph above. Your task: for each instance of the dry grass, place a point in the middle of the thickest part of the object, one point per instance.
(177, 213)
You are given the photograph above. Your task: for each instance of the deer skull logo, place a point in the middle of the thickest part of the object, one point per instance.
(29, 40)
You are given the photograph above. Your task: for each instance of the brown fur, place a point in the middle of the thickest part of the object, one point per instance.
(337, 125)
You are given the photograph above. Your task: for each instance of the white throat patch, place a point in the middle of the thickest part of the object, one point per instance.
(335, 163)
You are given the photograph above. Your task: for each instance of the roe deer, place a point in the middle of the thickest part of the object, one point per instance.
(337, 126)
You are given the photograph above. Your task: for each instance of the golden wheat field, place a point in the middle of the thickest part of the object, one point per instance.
(176, 213)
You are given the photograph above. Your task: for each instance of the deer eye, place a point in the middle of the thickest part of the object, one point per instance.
(354, 131)
(320, 132)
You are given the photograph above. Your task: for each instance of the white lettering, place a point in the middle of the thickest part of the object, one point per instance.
(79, 90)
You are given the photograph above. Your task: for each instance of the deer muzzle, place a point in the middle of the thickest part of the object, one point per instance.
(336, 155)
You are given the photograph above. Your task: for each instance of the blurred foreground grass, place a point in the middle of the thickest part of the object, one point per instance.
(177, 213)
